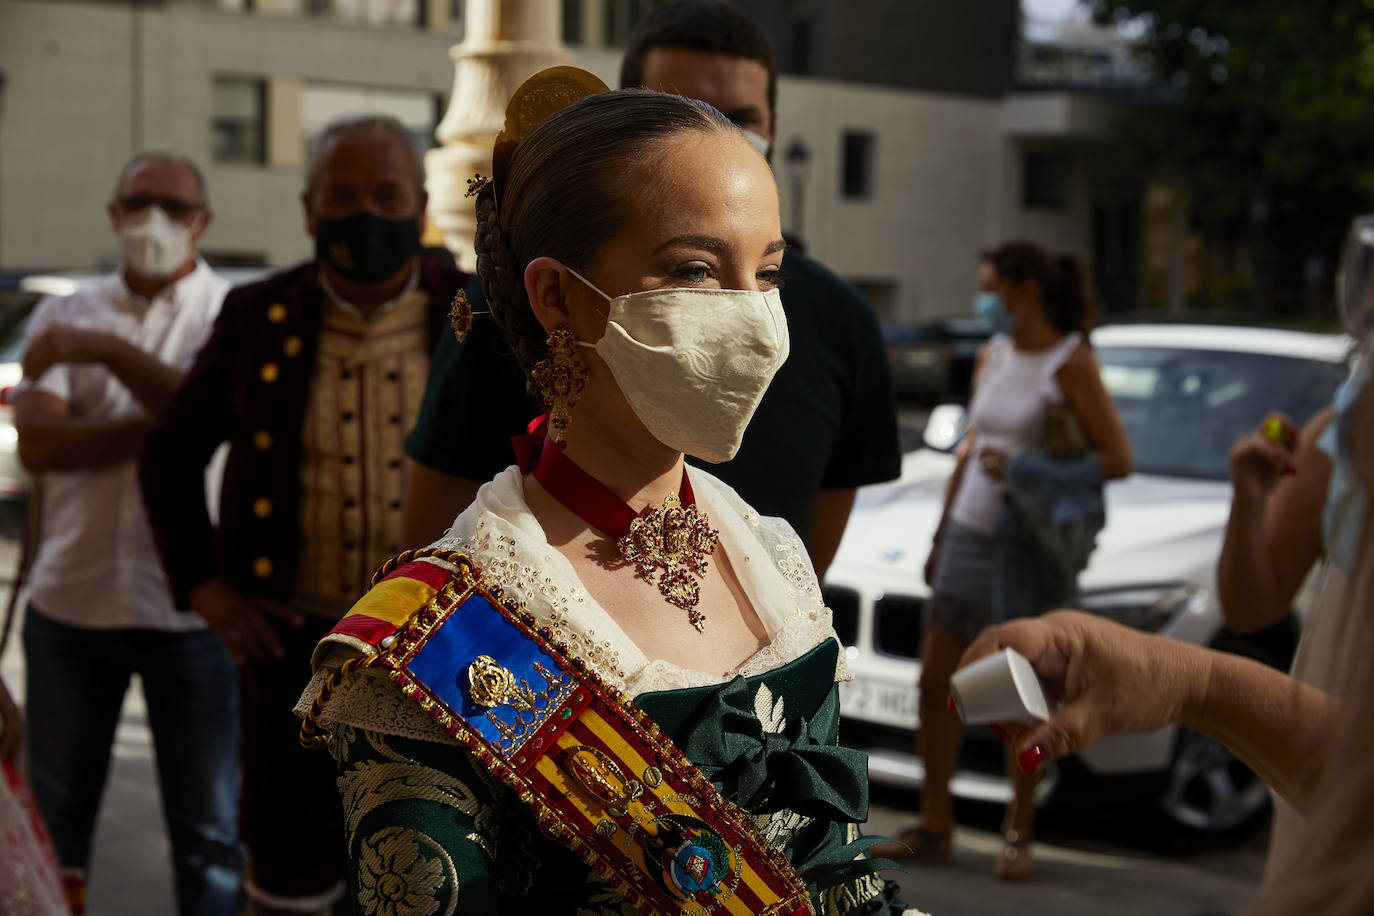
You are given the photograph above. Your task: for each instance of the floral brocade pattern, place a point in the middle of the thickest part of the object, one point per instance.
(429, 832)
(395, 880)
(400, 769)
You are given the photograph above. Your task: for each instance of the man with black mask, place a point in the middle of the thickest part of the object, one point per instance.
(313, 376)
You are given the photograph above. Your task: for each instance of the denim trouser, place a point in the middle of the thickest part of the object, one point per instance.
(75, 687)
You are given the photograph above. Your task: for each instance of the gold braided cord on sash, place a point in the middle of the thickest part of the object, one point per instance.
(622, 839)
(312, 736)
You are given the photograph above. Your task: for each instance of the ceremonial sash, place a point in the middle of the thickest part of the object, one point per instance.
(594, 769)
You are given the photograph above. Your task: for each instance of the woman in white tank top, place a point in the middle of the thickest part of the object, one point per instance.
(1038, 355)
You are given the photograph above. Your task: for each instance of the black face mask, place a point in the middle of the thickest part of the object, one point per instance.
(364, 247)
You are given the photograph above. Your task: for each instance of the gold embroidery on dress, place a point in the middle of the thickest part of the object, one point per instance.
(372, 783)
(779, 828)
(845, 898)
(606, 901)
(395, 880)
(769, 710)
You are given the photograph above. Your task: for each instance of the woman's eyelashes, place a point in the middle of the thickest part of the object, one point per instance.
(696, 272)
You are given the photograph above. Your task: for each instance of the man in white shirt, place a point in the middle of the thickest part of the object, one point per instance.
(98, 365)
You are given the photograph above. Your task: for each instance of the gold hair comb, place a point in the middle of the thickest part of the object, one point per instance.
(535, 99)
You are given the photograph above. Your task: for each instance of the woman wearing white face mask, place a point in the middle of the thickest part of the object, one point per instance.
(617, 683)
(990, 560)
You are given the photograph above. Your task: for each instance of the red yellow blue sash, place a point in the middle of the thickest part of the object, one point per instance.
(593, 768)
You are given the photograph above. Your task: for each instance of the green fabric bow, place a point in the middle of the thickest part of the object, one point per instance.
(800, 768)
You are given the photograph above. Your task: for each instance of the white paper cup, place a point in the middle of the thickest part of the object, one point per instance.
(999, 688)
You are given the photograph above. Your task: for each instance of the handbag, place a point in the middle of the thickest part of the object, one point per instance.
(1064, 435)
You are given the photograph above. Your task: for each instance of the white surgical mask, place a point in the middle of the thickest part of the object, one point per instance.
(694, 363)
(154, 245)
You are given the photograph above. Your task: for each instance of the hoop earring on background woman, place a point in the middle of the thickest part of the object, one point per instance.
(560, 378)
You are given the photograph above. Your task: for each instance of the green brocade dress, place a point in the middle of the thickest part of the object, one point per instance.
(429, 832)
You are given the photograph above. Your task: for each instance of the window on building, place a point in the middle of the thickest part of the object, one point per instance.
(1046, 179)
(238, 119)
(572, 22)
(856, 176)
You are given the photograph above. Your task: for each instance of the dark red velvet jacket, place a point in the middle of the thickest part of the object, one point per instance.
(250, 386)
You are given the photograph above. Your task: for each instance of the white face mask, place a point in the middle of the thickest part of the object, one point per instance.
(694, 363)
(154, 245)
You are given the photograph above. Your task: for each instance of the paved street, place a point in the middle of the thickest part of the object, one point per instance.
(1077, 873)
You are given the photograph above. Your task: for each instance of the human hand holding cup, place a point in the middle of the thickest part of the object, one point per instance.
(1100, 679)
(999, 688)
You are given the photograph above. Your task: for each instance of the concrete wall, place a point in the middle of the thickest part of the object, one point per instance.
(927, 215)
(88, 84)
(77, 106)
(65, 128)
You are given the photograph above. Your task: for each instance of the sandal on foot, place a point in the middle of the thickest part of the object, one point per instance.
(1014, 862)
(916, 844)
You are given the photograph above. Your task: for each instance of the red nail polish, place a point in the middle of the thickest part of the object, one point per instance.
(1289, 471)
(999, 731)
(1030, 759)
(949, 702)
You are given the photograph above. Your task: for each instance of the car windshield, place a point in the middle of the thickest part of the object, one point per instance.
(1184, 409)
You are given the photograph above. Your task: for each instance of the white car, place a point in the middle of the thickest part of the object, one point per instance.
(1185, 394)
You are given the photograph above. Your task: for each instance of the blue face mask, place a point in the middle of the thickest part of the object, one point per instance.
(992, 311)
(1346, 498)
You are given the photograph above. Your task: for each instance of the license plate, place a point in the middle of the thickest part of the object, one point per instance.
(886, 704)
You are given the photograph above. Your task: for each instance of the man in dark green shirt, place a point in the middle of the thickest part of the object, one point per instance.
(827, 424)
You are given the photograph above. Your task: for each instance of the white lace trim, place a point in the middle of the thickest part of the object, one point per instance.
(371, 700)
(506, 541)
(503, 537)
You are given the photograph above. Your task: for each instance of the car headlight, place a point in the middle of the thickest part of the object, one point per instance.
(1149, 607)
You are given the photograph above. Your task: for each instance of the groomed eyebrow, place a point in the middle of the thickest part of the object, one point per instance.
(711, 243)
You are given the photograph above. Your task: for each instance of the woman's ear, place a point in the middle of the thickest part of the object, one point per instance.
(546, 283)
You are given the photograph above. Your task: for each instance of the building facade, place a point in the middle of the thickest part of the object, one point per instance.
(905, 145)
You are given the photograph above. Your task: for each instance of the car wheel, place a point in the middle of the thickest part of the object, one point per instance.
(1209, 790)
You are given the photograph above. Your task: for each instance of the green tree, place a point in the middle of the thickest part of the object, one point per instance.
(1269, 115)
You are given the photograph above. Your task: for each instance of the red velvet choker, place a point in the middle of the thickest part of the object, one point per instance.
(672, 541)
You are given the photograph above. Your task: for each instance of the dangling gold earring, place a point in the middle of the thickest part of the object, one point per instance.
(560, 378)
(460, 315)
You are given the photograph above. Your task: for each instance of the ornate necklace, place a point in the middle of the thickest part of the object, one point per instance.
(671, 541)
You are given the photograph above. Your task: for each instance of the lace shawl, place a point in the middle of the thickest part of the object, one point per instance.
(506, 541)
